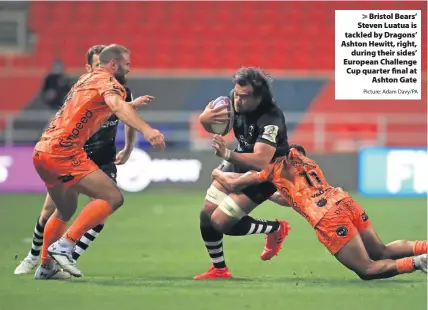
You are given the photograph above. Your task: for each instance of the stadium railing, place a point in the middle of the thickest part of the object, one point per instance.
(328, 132)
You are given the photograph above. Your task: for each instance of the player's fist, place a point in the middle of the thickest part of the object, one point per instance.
(155, 138)
(142, 100)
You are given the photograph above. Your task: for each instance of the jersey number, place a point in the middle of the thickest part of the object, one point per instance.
(311, 178)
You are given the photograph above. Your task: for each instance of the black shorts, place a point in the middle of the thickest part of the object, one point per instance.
(258, 193)
(111, 170)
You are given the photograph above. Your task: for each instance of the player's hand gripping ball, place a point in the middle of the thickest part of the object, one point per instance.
(221, 105)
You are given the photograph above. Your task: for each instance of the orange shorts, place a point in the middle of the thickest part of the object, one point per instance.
(342, 222)
(62, 170)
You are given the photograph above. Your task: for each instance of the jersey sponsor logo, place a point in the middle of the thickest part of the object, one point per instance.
(75, 162)
(342, 231)
(323, 234)
(66, 178)
(75, 132)
(270, 132)
(251, 130)
(321, 203)
(244, 142)
(338, 210)
(108, 124)
(321, 192)
(317, 194)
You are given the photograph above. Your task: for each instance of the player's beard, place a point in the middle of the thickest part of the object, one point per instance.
(120, 75)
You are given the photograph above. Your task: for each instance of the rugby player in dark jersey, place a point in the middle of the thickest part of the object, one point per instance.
(260, 129)
(102, 150)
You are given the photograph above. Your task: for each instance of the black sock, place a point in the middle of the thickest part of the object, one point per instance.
(84, 242)
(250, 226)
(37, 242)
(214, 244)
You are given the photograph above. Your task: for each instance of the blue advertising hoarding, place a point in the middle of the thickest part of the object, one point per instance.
(393, 172)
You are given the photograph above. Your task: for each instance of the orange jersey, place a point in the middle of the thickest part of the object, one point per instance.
(301, 182)
(83, 112)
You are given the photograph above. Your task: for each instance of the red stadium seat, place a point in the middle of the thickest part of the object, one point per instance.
(295, 41)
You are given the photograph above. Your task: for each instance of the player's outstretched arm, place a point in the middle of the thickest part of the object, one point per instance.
(127, 114)
(278, 199)
(235, 182)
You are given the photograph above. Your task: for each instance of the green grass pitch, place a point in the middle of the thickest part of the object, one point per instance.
(151, 248)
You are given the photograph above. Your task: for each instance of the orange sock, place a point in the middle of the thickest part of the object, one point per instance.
(94, 213)
(405, 265)
(53, 231)
(420, 247)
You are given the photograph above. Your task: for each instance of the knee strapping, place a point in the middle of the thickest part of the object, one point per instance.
(231, 208)
(215, 195)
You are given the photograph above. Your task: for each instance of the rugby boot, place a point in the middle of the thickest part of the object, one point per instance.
(420, 262)
(63, 256)
(275, 240)
(26, 266)
(51, 272)
(214, 273)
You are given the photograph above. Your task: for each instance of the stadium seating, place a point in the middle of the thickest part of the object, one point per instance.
(202, 35)
(294, 37)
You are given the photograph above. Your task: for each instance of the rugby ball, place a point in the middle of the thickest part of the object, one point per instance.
(223, 128)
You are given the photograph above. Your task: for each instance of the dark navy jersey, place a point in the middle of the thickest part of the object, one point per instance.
(265, 125)
(101, 147)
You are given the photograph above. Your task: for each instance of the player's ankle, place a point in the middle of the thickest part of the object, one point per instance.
(46, 261)
(66, 242)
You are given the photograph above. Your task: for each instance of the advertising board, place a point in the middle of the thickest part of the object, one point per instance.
(399, 172)
(173, 169)
(149, 169)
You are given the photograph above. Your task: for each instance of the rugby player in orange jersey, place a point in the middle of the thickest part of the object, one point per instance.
(339, 222)
(64, 166)
(101, 149)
